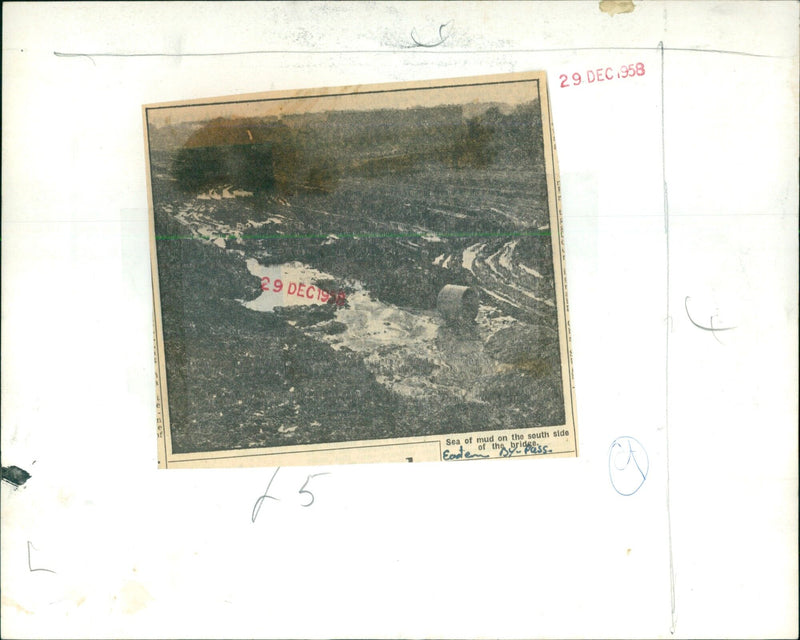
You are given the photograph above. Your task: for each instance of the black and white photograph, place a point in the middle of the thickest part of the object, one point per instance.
(376, 265)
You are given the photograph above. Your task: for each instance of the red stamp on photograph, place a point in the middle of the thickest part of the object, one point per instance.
(305, 291)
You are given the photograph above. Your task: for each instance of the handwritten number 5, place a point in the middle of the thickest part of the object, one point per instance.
(304, 490)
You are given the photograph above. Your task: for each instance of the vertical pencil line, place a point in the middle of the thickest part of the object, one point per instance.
(668, 324)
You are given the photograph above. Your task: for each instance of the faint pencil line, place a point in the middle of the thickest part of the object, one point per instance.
(666, 356)
(415, 50)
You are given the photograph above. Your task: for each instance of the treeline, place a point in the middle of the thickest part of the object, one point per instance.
(313, 152)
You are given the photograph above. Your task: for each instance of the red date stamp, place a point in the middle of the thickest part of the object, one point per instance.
(602, 75)
(308, 292)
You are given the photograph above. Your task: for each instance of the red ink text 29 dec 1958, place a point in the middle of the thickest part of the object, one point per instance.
(602, 75)
(304, 291)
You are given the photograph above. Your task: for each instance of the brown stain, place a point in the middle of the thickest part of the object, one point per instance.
(134, 597)
(13, 603)
(613, 7)
(628, 552)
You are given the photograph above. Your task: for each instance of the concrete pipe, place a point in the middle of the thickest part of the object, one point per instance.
(458, 305)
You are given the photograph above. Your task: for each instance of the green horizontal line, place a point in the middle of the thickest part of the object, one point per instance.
(359, 236)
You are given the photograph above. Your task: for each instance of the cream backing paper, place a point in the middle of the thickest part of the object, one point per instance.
(679, 200)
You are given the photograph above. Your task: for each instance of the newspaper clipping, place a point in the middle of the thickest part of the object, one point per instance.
(359, 274)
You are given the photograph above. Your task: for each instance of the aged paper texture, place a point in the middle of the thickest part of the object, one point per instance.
(360, 274)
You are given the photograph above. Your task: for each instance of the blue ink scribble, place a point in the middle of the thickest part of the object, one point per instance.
(628, 465)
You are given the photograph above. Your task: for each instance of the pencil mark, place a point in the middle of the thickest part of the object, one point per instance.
(407, 49)
(30, 568)
(15, 476)
(264, 496)
(710, 326)
(305, 484)
(90, 56)
(624, 452)
(442, 36)
(673, 617)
